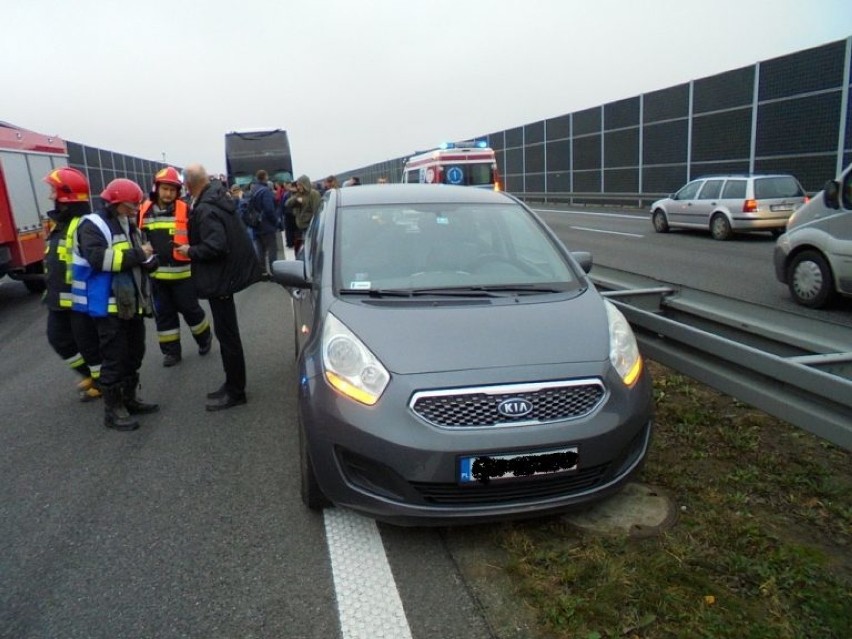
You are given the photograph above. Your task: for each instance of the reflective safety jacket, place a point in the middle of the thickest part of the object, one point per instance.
(104, 269)
(167, 230)
(58, 253)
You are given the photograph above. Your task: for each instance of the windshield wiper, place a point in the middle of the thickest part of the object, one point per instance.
(377, 292)
(488, 290)
(491, 290)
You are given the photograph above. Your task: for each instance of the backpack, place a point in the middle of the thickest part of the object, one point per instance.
(252, 215)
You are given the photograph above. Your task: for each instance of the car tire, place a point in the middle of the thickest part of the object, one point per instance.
(312, 496)
(810, 280)
(720, 227)
(660, 222)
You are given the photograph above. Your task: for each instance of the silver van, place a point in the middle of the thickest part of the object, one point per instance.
(726, 204)
(814, 257)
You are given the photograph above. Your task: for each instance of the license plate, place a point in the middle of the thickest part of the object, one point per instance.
(781, 207)
(485, 468)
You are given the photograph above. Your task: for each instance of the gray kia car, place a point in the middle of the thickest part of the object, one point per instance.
(455, 362)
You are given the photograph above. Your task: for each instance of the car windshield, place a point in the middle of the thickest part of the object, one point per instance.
(481, 249)
(468, 174)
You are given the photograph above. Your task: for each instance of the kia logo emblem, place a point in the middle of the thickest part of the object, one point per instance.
(514, 407)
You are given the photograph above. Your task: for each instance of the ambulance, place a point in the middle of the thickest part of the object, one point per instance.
(465, 163)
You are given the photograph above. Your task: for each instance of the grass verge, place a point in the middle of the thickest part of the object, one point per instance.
(762, 547)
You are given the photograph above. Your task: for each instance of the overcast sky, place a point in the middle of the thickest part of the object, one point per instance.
(356, 83)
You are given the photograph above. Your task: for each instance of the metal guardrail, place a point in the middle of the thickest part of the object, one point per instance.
(792, 367)
(632, 200)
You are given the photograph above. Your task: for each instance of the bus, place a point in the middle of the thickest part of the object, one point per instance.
(465, 163)
(247, 152)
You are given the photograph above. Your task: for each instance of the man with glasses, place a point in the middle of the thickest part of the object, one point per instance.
(110, 283)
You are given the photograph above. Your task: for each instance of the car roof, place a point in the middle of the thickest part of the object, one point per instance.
(744, 175)
(420, 193)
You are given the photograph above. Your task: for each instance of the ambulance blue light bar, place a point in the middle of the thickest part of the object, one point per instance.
(465, 144)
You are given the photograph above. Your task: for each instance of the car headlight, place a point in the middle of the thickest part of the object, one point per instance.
(349, 366)
(623, 349)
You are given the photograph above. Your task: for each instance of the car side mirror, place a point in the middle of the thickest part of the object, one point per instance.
(831, 194)
(584, 259)
(290, 274)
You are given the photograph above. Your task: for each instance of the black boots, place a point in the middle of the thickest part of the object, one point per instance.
(116, 415)
(135, 405)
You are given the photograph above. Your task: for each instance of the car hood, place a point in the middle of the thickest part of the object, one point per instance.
(419, 338)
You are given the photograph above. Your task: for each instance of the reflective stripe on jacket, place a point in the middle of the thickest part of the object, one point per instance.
(91, 290)
(166, 233)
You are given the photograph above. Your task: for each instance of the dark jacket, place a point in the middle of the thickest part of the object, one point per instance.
(58, 254)
(223, 258)
(128, 267)
(263, 199)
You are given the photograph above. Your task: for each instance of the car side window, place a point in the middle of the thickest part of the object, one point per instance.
(734, 190)
(689, 191)
(711, 189)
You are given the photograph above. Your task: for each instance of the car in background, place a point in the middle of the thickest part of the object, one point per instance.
(456, 364)
(814, 257)
(728, 204)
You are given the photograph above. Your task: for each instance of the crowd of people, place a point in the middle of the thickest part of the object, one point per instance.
(137, 257)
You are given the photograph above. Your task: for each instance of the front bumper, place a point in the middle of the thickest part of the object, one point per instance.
(386, 462)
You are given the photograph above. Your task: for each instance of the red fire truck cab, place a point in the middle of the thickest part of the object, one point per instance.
(25, 158)
(467, 163)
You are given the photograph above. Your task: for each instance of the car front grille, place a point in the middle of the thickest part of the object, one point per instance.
(478, 407)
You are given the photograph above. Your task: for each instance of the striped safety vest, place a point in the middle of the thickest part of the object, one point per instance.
(177, 227)
(91, 290)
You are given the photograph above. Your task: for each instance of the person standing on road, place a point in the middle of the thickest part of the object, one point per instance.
(163, 218)
(110, 283)
(266, 232)
(223, 263)
(304, 203)
(72, 335)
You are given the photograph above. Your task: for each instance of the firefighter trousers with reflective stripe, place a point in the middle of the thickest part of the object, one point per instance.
(75, 339)
(122, 343)
(170, 298)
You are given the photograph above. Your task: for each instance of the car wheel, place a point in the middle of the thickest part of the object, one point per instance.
(776, 233)
(312, 496)
(661, 224)
(720, 227)
(810, 280)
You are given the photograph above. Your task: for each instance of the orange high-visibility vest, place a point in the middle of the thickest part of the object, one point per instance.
(179, 228)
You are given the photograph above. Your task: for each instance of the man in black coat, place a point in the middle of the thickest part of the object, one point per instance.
(223, 263)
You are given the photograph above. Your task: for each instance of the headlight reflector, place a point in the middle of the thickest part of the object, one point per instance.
(349, 365)
(623, 349)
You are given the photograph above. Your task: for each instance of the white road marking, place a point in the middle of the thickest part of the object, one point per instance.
(583, 228)
(368, 602)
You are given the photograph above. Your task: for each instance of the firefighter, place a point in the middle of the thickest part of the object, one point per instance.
(110, 283)
(72, 335)
(163, 219)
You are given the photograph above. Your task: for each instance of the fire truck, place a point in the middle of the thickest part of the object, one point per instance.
(466, 163)
(25, 158)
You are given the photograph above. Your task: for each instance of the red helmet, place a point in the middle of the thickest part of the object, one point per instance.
(168, 175)
(70, 185)
(122, 190)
